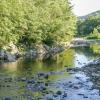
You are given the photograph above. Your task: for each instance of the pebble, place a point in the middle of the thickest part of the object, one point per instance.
(59, 92)
(64, 95)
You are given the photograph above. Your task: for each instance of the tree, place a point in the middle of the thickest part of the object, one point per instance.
(25, 22)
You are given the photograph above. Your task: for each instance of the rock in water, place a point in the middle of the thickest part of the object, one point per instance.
(9, 57)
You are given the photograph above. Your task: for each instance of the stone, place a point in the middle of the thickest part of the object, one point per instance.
(46, 84)
(64, 95)
(9, 57)
(23, 79)
(49, 98)
(18, 55)
(44, 88)
(80, 94)
(85, 96)
(55, 95)
(7, 98)
(31, 81)
(41, 74)
(58, 92)
(31, 54)
(76, 87)
(46, 76)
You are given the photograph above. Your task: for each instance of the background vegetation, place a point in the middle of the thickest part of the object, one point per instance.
(89, 26)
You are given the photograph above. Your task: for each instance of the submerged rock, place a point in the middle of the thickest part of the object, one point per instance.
(58, 92)
(64, 95)
(8, 98)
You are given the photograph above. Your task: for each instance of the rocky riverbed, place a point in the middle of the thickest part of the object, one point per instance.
(93, 71)
(39, 87)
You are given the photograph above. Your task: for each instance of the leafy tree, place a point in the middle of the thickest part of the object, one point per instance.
(25, 22)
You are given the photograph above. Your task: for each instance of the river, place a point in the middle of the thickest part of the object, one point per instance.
(28, 79)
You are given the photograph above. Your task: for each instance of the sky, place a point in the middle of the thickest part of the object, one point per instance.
(84, 7)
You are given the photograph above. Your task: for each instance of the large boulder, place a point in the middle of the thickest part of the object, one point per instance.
(9, 57)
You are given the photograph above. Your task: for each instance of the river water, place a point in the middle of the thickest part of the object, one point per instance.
(28, 79)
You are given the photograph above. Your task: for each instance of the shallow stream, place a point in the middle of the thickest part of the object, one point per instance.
(28, 79)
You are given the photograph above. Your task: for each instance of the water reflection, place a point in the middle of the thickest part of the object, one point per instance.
(74, 57)
(84, 55)
(29, 66)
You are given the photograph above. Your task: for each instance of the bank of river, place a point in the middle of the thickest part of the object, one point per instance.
(52, 78)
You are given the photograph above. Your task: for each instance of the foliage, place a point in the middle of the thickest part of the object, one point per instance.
(89, 26)
(35, 21)
(94, 35)
(95, 48)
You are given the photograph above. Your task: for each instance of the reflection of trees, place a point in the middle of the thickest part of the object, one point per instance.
(29, 67)
(65, 58)
(53, 63)
(84, 50)
(12, 67)
(87, 51)
(24, 67)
